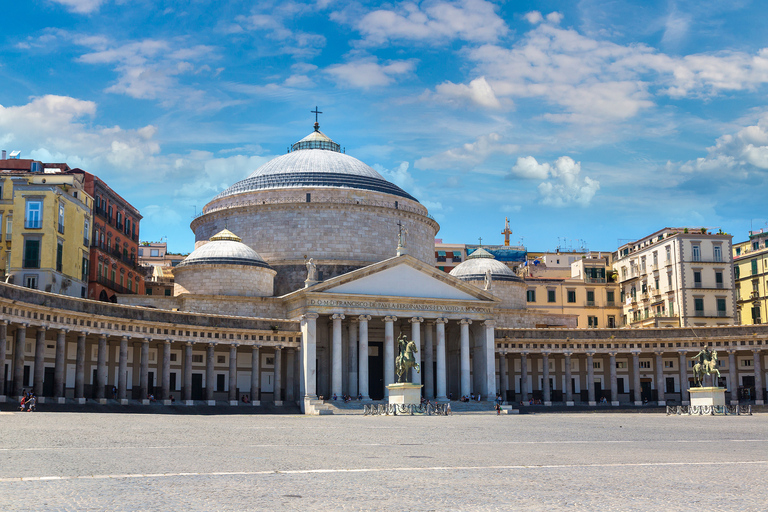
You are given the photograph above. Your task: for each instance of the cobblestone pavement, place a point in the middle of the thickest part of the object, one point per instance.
(622, 462)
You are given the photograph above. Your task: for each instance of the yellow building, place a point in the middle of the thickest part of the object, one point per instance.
(46, 227)
(750, 263)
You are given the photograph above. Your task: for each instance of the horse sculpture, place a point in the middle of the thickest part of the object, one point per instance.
(406, 359)
(707, 365)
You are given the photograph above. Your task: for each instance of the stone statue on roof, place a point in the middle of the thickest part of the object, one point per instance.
(311, 270)
(488, 279)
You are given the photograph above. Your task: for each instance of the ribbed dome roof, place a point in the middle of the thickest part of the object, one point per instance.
(224, 248)
(478, 263)
(315, 161)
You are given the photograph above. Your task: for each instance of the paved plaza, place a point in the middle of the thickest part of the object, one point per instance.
(480, 461)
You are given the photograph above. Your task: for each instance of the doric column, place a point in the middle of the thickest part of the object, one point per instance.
(545, 369)
(363, 356)
(144, 371)
(80, 368)
(166, 373)
(503, 375)
(416, 338)
(489, 356)
(429, 363)
(524, 376)
(662, 400)
(39, 362)
(255, 382)
(568, 380)
(465, 380)
(336, 354)
(352, 356)
(209, 375)
(18, 360)
(232, 391)
(591, 378)
(279, 371)
(759, 390)
(510, 361)
(440, 358)
(101, 368)
(187, 394)
(683, 378)
(308, 357)
(733, 383)
(636, 378)
(389, 353)
(289, 354)
(122, 371)
(614, 379)
(59, 376)
(3, 353)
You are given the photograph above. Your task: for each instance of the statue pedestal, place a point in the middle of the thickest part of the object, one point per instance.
(707, 396)
(404, 393)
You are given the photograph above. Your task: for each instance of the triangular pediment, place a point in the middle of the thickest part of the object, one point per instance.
(402, 276)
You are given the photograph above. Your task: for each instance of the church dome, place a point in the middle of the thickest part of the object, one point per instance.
(224, 248)
(480, 261)
(315, 161)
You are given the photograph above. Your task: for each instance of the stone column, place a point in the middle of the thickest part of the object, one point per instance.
(524, 376)
(101, 369)
(614, 380)
(759, 390)
(80, 369)
(568, 380)
(144, 371)
(289, 375)
(18, 360)
(166, 373)
(636, 378)
(363, 356)
(684, 400)
(308, 359)
(39, 363)
(733, 383)
(489, 355)
(591, 378)
(440, 359)
(3, 354)
(389, 353)
(545, 369)
(279, 370)
(662, 400)
(465, 380)
(336, 354)
(416, 338)
(233, 374)
(210, 377)
(429, 361)
(187, 395)
(122, 371)
(510, 361)
(503, 375)
(255, 377)
(353, 357)
(59, 376)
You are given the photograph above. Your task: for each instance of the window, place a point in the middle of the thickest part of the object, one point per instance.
(718, 253)
(621, 364)
(738, 251)
(167, 292)
(130, 284)
(141, 252)
(551, 296)
(669, 279)
(655, 258)
(698, 305)
(610, 297)
(8, 227)
(592, 321)
(590, 298)
(656, 283)
(754, 267)
(221, 359)
(697, 279)
(696, 252)
(31, 253)
(30, 282)
(149, 291)
(197, 358)
(611, 321)
(61, 218)
(154, 253)
(721, 307)
(113, 275)
(84, 273)
(572, 296)
(645, 364)
(531, 295)
(669, 364)
(719, 278)
(669, 253)
(109, 213)
(624, 272)
(86, 233)
(33, 218)
(59, 255)
(755, 245)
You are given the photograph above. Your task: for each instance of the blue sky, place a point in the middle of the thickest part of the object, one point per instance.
(585, 121)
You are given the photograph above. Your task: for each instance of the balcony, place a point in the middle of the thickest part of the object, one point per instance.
(86, 242)
(101, 212)
(590, 303)
(710, 314)
(112, 285)
(594, 280)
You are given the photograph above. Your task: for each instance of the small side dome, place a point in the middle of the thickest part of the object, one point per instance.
(224, 248)
(480, 261)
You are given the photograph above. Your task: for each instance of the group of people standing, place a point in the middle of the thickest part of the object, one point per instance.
(28, 402)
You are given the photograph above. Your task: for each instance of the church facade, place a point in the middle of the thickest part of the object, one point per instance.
(303, 276)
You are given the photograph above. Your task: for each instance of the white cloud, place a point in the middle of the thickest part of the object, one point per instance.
(528, 168)
(367, 73)
(554, 18)
(562, 184)
(399, 176)
(468, 155)
(434, 22)
(534, 17)
(81, 6)
(275, 22)
(478, 92)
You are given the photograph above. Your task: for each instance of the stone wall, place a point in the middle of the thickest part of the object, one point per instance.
(511, 293)
(522, 319)
(291, 277)
(233, 280)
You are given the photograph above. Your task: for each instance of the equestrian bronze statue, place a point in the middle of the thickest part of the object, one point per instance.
(706, 365)
(406, 359)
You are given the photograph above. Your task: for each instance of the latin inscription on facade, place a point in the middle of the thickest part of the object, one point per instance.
(394, 305)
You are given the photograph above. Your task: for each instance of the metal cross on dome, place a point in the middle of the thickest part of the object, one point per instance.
(316, 112)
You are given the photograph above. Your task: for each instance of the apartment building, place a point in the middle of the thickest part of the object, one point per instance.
(750, 262)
